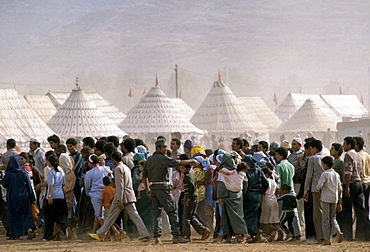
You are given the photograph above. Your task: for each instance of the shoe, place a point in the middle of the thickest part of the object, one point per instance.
(178, 239)
(95, 236)
(326, 242)
(297, 238)
(339, 236)
(46, 239)
(280, 235)
(288, 236)
(69, 232)
(145, 239)
(31, 234)
(157, 241)
(57, 237)
(206, 234)
(270, 238)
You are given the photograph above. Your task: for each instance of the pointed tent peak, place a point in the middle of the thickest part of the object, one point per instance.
(219, 82)
(77, 85)
(219, 76)
(156, 80)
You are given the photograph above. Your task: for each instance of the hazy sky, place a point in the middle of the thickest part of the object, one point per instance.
(268, 46)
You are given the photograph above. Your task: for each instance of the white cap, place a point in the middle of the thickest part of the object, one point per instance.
(34, 140)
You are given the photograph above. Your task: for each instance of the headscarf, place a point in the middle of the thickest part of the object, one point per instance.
(139, 156)
(227, 162)
(251, 161)
(142, 150)
(13, 164)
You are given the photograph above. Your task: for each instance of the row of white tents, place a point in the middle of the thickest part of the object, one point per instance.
(79, 114)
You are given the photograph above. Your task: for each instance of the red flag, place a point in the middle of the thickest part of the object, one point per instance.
(144, 92)
(180, 95)
(276, 99)
(156, 80)
(131, 93)
(362, 99)
(340, 90)
(219, 76)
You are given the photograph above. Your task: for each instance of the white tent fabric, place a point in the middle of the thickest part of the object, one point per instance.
(113, 113)
(42, 106)
(18, 120)
(294, 101)
(346, 105)
(58, 98)
(310, 117)
(155, 113)
(262, 111)
(184, 108)
(222, 114)
(79, 117)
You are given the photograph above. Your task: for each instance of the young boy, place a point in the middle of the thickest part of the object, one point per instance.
(107, 194)
(234, 178)
(330, 188)
(190, 206)
(139, 177)
(289, 204)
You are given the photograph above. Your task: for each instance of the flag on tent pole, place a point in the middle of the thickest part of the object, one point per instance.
(131, 93)
(219, 76)
(180, 95)
(362, 100)
(276, 99)
(340, 90)
(144, 92)
(156, 80)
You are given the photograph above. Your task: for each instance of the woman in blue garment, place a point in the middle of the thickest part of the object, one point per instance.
(19, 198)
(257, 185)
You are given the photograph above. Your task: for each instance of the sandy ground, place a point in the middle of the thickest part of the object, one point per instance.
(85, 243)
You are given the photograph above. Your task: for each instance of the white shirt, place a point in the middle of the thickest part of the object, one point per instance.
(330, 186)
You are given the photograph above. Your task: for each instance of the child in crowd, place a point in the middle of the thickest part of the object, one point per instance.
(270, 207)
(330, 190)
(190, 206)
(107, 194)
(234, 178)
(289, 204)
(139, 177)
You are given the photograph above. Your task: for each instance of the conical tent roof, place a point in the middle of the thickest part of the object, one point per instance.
(155, 113)
(310, 117)
(294, 101)
(346, 105)
(113, 113)
(18, 120)
(184, 108)
(222, 113)
(42, 106)
(79, 117)
(262, 111)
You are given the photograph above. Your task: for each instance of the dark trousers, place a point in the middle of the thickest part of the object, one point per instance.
(4, 215)
(189, 218)
(56, 212)
(180, 210)
(359, 229)
(357, 199)
(77, 193)
(287, 217)
(161, 197)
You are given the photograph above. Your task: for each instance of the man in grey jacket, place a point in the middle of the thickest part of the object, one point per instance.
(314, 171)
(123, 199)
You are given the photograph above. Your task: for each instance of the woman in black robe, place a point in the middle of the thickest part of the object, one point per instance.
(19, 198)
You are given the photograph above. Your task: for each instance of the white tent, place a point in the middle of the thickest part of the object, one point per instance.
(42, 106)
(310, 117)
(112, 112)
(184, 108)
(348, 106)
(79, 117)
(18, 120)
(262, 111)
(155, 114)
(222, 114)
(292, 103)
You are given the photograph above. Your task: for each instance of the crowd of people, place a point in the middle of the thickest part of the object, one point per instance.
(237, 192)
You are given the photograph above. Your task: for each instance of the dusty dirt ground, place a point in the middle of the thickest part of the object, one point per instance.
(83, 242)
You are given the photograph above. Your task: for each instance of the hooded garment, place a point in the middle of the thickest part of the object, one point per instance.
(137, 158)
(19, 198)
(227, 162)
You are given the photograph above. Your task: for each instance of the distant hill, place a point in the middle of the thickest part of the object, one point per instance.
(264, 44)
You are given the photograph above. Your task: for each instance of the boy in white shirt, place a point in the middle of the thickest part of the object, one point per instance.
(330, 188)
